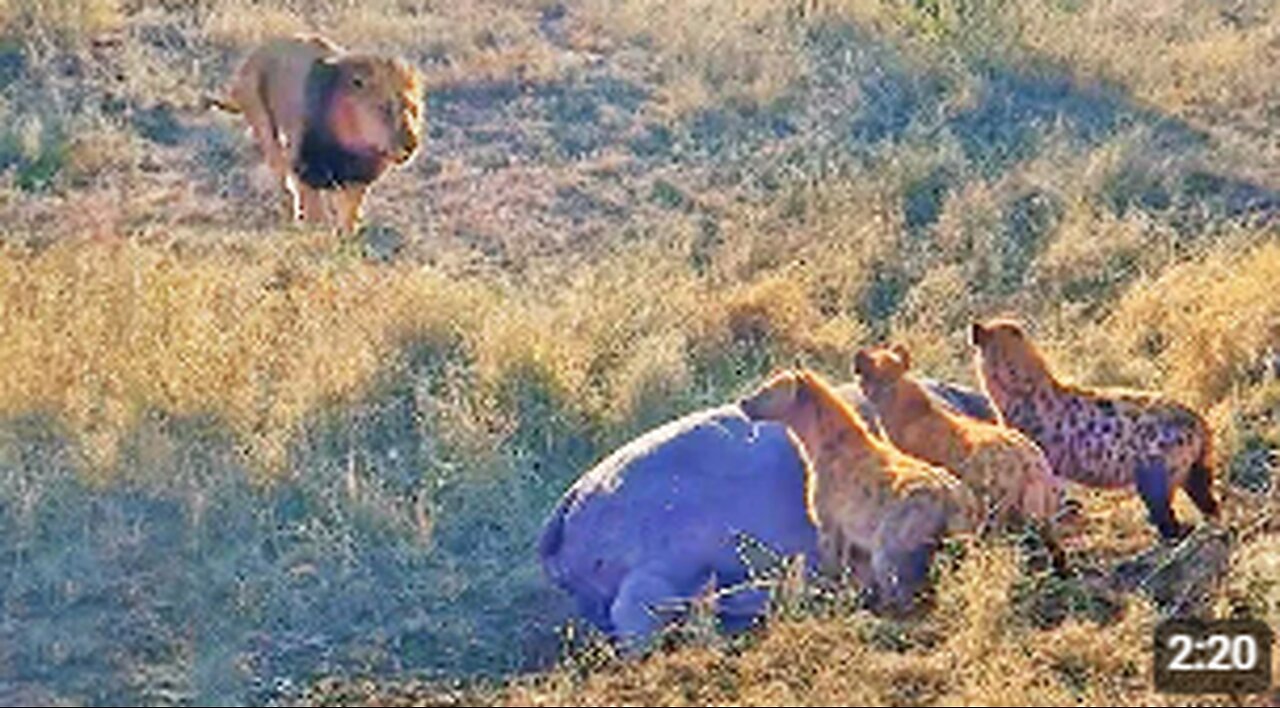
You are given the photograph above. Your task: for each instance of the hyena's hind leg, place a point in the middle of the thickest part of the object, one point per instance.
(1199, 486)
(1152, 478)
(1047, 534)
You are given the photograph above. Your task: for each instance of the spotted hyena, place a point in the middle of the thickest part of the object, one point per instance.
(1007, 469)
(1098, 437)
(880, 512)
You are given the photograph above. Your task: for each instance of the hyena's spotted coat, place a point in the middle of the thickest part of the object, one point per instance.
(879, 511)
(1097, 437)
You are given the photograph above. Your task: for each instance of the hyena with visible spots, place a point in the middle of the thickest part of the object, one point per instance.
(879, 511)
(1097, 437)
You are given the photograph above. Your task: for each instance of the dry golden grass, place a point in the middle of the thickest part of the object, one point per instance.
(978, 645)
(1207, 325)
(263, 331)
(100, 331)
(266, 331)
(744, 50)
(1181, 55)
(59, 20)
(482, 41)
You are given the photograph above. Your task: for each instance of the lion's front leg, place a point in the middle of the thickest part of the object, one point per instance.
(308, 203)
(349, 205)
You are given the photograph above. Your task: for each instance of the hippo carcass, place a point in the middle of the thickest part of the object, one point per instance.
(659, 518)
(959, 399)
(657, 521)
(962, 399)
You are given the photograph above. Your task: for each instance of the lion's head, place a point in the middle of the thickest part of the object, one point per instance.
(373, 106)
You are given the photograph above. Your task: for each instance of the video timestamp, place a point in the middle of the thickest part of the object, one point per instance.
(1213, 656)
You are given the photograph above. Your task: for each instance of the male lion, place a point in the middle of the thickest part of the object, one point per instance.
(328, 122)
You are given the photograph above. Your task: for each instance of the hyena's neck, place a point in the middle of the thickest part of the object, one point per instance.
(830, 435)
(905, 403)
(916, 423)
(1031, 405)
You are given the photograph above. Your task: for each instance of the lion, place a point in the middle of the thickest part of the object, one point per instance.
(329, 122)
(1098, 437)
(880, 512)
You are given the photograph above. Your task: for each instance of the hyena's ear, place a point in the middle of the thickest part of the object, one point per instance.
(977, 334)
(900, 350)
(862, 363)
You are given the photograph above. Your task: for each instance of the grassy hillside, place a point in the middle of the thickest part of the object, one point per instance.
(241, 462)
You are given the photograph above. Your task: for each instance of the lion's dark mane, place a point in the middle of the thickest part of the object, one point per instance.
(322, 162)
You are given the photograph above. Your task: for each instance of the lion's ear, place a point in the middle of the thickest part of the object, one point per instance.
(324, 71)
(900, 350)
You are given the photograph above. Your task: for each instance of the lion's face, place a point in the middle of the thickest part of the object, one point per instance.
(880, 368)
(376, 107)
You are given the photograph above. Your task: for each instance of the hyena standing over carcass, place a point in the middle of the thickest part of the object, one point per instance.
(1099, 437)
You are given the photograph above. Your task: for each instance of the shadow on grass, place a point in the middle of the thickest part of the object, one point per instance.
(378, 551)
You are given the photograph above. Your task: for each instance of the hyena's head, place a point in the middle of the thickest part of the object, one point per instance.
(880, 369)
(1008, 362)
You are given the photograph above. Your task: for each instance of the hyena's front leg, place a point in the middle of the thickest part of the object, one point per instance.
(905, 542)
(831, 557)
(901, 573)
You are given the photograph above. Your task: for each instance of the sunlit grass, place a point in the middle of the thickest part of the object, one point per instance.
(979, 644)
(99, 332)
(129, 308)
(1182, 55)
(261, 336)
